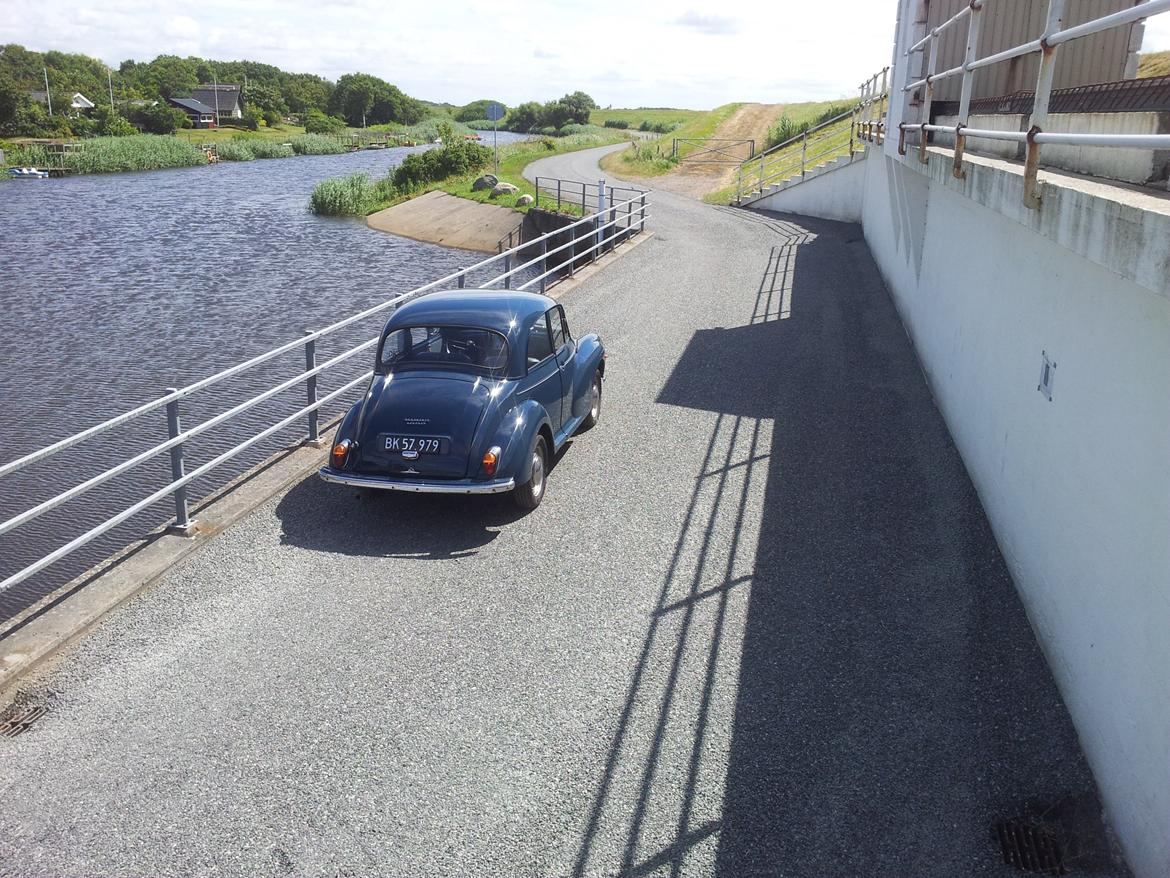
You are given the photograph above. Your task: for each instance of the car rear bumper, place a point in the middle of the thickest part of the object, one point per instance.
(417, 486)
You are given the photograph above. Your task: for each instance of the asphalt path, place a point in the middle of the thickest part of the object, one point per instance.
(759, 626)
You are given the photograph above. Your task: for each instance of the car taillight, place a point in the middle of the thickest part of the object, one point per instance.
(491, 459)
(340, 453)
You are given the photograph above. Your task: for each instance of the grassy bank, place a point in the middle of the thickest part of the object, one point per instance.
(1153, 64)
(357, 195)
(653, 157)
(835, 143)
(277, 133)
(515, 157)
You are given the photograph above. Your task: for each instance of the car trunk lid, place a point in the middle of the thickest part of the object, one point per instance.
(409, 410)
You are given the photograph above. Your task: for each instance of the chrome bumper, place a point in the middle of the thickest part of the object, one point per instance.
(385, 483)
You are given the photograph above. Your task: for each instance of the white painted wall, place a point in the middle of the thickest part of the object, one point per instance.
(1076, 489)
(833, 194)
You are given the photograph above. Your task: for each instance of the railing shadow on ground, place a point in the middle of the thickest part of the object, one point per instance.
(890, 701)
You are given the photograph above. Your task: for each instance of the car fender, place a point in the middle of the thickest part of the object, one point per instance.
(348, 427)
(514, 432)
(590, 354)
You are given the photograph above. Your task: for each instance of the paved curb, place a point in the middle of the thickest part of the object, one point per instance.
(52, 625)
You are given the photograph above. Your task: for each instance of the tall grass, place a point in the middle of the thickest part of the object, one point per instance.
(234, 151)
(317, 144)
(342, 196)
(270, 149)
(141, 152)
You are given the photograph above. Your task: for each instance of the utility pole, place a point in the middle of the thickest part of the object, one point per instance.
(215, 91)
(48, 97)
(110, 82)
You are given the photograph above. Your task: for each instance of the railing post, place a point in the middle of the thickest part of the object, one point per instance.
(612, 220)
(558, 195)
(508, 270)
(974, 24)
(543, 262)
(599, 220)
(311, 387)
(642, 212)
(803, 155)
(182, 524)
(928, 99)
(1040, 105)
(573, 251)
(462, 280)
(883, 99)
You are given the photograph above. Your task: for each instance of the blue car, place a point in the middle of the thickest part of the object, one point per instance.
(473, 392)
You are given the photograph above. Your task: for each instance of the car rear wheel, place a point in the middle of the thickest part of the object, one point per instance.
(529, 494)
(594, 413)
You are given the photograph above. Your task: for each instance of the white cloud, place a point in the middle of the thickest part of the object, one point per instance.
(622, 53)
(708, 24)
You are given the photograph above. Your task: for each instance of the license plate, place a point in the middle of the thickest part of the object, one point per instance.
(417, 444)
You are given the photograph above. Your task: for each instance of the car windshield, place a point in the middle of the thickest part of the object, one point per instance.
(443, 347)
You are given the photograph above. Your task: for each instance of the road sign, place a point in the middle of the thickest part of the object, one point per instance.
(495, 112)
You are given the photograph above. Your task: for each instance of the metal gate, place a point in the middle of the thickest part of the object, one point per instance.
(715, 150)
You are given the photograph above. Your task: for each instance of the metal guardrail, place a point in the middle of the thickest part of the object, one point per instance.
(612, 223)
(556, 194)
(775, 164)
(821, 142)
(1055, 34)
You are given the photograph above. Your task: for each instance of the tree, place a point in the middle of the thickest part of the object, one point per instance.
(580, 104)
(160, 118)
(109, 123)
(475, 110)
(317, 122)
(265, 98)
(362, 100)
(304, 91)
(11, 96)
(524, 117)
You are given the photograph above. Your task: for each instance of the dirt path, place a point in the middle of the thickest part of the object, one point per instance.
(697, 179)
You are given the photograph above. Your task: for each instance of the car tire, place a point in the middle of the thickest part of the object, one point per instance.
(529, 494)
(594, 413)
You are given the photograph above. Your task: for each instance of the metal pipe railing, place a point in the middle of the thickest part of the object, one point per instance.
(1055, 35)
(607, 227)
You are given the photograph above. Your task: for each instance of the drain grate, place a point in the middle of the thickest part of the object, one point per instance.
(14, 725)
(1031, 846)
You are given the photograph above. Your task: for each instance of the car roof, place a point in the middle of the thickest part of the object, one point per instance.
(505, 311)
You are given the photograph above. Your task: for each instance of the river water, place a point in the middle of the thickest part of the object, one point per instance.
(115, 287)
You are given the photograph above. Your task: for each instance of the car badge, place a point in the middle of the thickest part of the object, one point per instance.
(410, 471)
(410, 455)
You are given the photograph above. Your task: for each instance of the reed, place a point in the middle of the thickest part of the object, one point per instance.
(342, 196)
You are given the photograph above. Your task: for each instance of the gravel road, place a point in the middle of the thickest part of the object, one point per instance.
(759, 627)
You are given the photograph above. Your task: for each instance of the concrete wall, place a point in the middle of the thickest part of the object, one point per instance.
(833, 194)
(1077, 488)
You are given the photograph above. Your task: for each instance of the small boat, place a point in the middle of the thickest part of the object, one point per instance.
(31, 173)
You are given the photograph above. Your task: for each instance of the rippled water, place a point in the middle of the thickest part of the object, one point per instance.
(115, 287)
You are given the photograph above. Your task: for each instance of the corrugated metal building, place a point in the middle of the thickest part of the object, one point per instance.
(1103, 57)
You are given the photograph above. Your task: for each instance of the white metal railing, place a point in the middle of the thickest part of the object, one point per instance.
(828, 139)
(613, 223)
(1055, 34)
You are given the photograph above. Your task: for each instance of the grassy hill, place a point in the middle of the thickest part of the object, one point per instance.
(824, 145)
(1153, 64)
(652, 158)
(644, 114)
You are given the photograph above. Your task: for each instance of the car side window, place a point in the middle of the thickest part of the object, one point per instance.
(564, 324)
(558, 329)
(539, 344)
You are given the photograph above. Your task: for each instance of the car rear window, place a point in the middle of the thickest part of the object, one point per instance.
(444, 347)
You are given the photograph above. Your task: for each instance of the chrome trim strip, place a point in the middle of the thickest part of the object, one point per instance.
(456, 486)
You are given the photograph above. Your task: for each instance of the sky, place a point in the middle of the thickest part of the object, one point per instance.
(624, 53)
